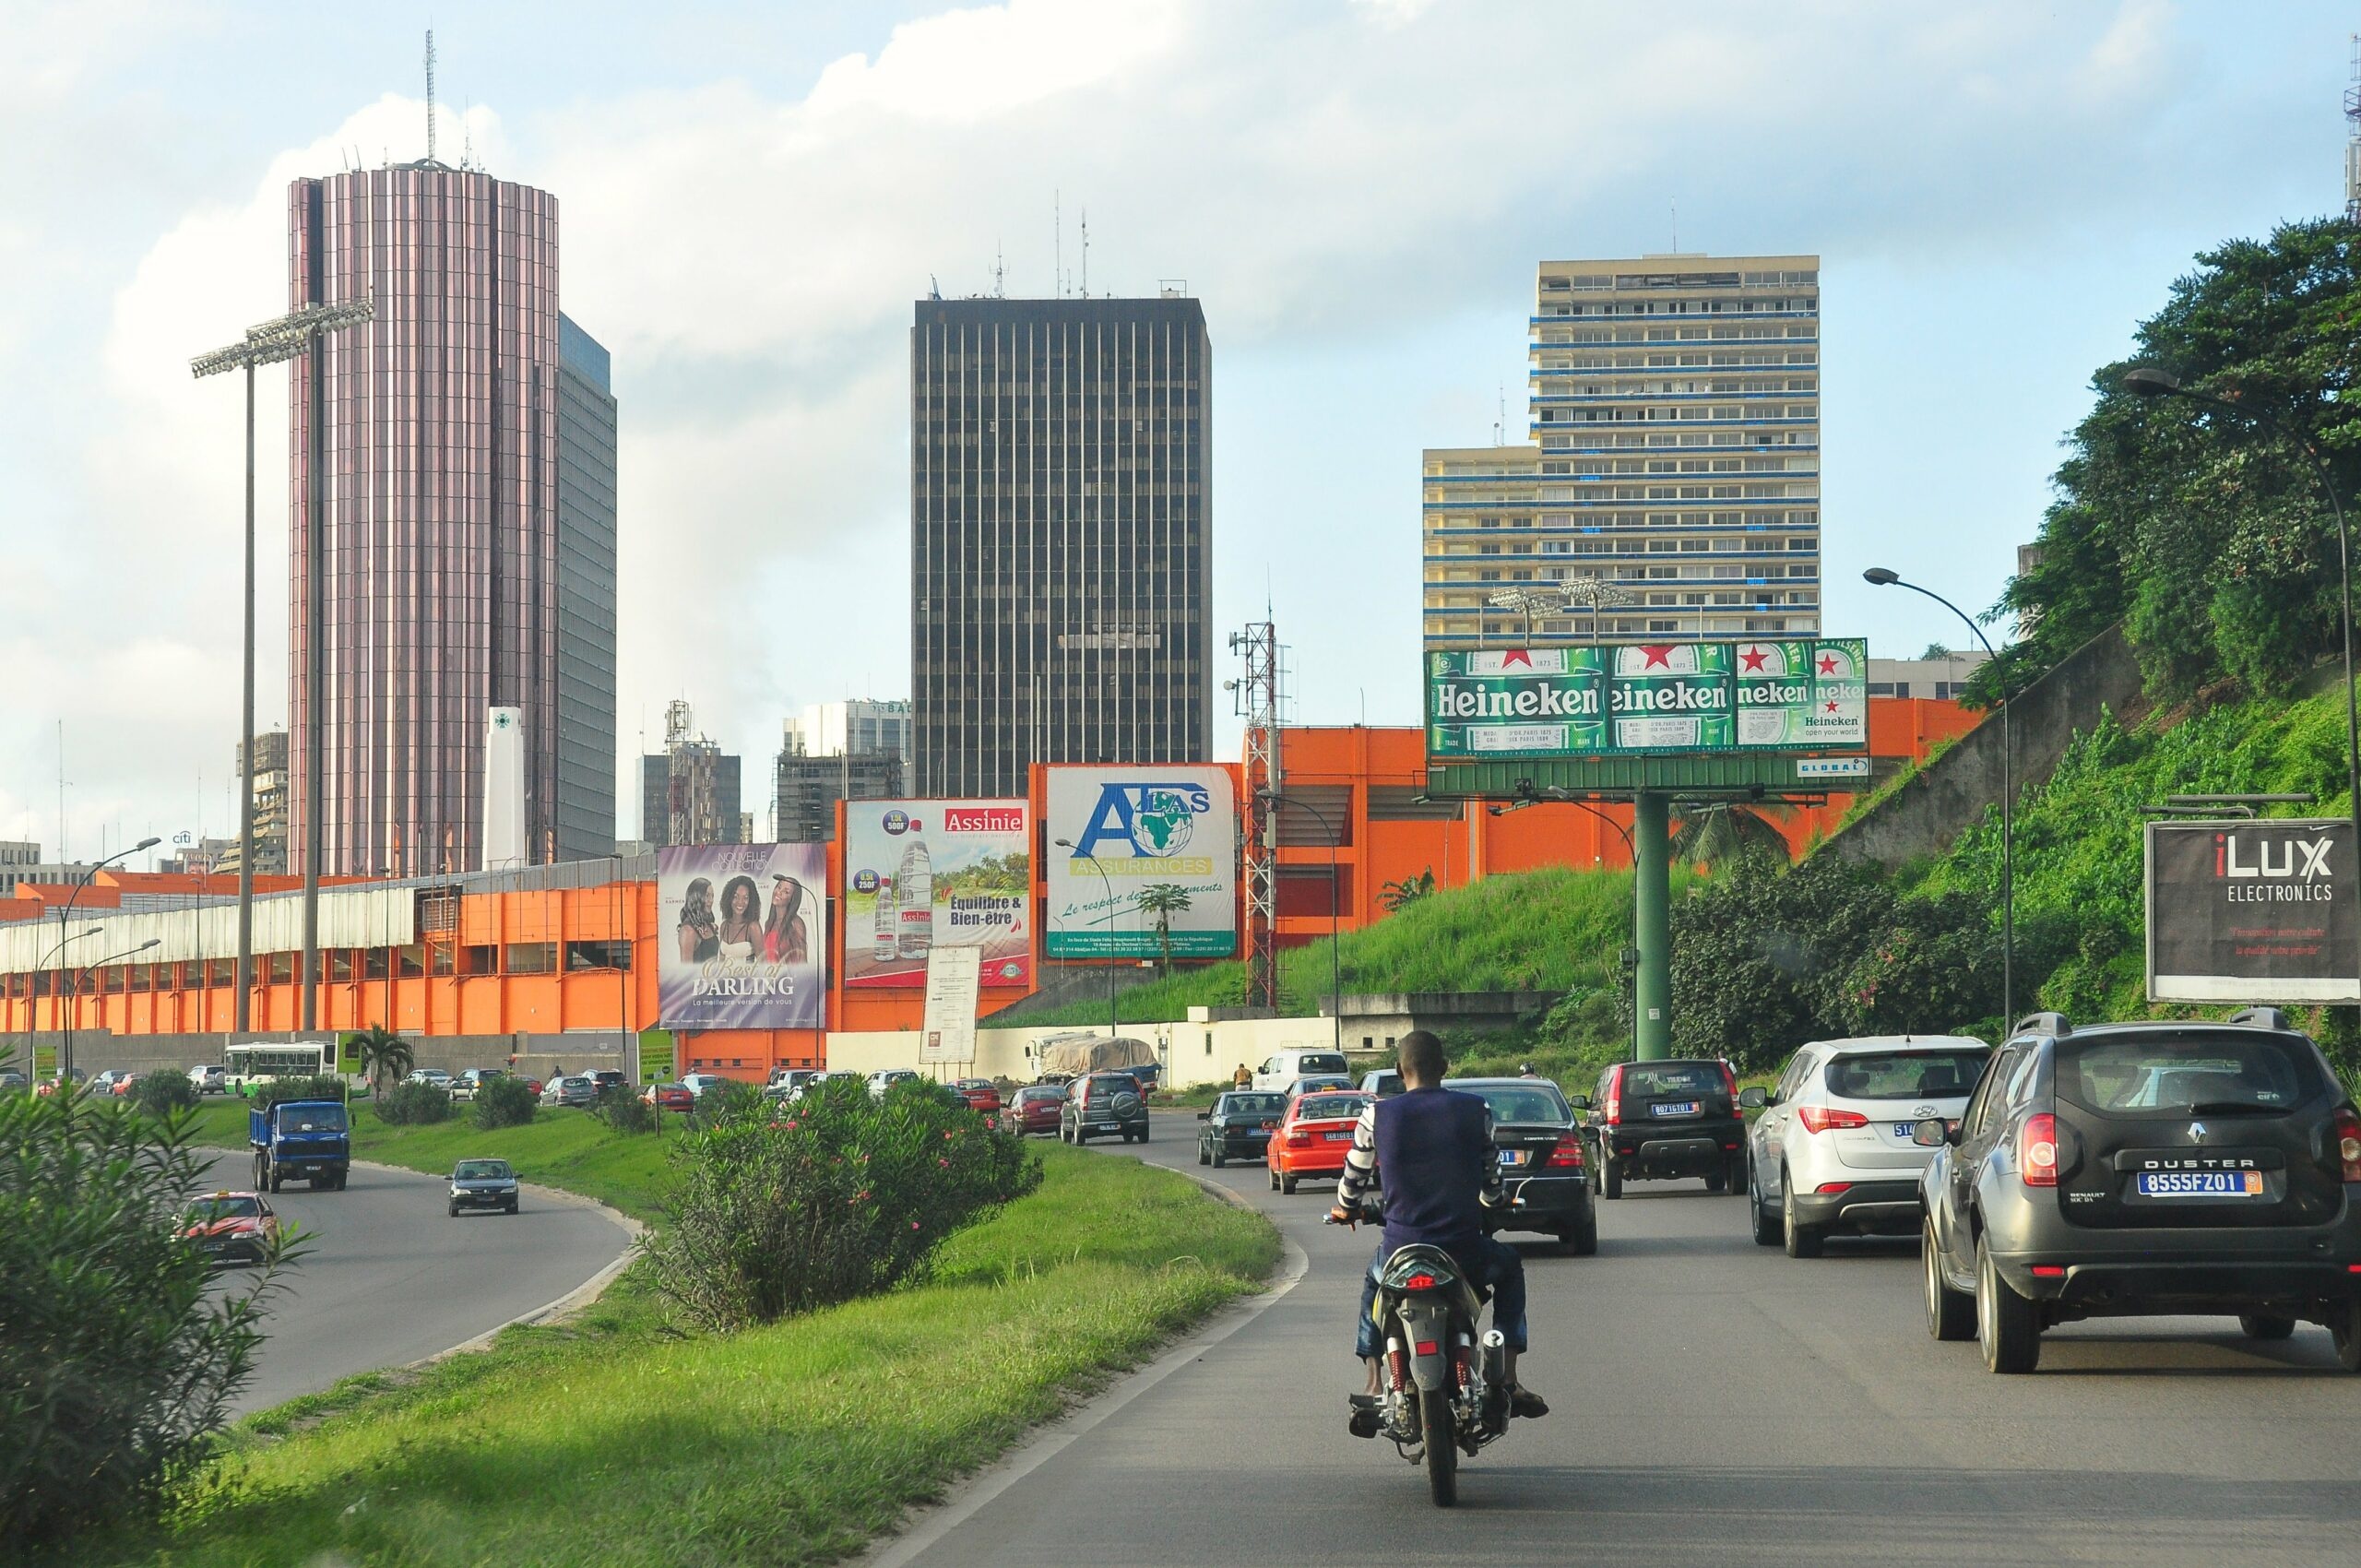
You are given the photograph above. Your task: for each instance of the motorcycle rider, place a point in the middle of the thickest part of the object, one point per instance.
(1432, 1148)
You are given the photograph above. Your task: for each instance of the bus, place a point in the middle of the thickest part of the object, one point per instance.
(259, 1063)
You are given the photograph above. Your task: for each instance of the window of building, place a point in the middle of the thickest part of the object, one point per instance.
(532, 957)
(376, 963)
(597, 955)
(479, 960)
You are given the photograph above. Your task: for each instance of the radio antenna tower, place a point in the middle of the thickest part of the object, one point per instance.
(1258, 703)
(430, 95)
(2352, 138)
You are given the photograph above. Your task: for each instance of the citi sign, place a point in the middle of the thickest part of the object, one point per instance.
(2294, 858)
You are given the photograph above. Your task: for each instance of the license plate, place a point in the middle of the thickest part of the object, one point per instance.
(1905, 1131)
(1512, 1156)
(1344, 1137)
(2199, 1184)
(1677, 1107)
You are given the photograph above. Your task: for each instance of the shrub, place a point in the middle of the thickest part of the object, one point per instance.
(410, 1105)
(325, 1085)
(504, 1102)
(163, 1093)
(782, 1210)
(121, 1357)
(620, 1107)
(728, 1098)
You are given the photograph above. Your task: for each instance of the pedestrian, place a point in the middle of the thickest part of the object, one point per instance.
(1526, 1071)
(1240, 1078)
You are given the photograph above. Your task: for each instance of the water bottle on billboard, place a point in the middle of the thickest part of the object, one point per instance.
(914, 892)
(882, 924)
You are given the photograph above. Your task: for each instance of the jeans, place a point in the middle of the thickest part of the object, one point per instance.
(1491, 1263)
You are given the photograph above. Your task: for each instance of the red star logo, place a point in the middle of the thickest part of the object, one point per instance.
(1831, 705)
(1753, 658)
(1828, 664)
(1517, 655)
(1658, 653)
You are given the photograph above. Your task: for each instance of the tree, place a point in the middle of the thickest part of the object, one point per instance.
(1397, 897)
(383, 1054)
(1936, 650)
(1723, 831)
(2206, 533)
(1164, 899)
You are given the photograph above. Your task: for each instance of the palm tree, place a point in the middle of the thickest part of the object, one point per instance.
(383, 1054)
(1164, 899)
(1722, 830)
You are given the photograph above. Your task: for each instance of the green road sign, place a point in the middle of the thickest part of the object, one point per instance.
(657, 1056)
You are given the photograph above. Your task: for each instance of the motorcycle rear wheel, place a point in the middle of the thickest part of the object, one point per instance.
(1442, 1447)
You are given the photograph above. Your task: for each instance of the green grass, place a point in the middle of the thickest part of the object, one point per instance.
(569, 1149)
(1550, 930)
(610, 1441)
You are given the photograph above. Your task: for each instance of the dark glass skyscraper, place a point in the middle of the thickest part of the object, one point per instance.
(1061, 605)
(468, 522)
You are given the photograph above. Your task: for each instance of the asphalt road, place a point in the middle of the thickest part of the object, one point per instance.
(391, 1279)
(1713, 1401)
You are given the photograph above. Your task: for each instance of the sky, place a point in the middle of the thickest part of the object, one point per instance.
(753, 194)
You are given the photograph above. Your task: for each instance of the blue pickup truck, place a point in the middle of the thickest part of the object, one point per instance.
(301, 1139)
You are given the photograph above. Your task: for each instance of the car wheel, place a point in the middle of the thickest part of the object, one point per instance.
(2265, 1326)
(1274, 1173)
(512, 1207)
(1717, 1182)
(1611, 1181)
(1143, 1133)
(1951, 1314)
(1767, 1225)
(1287, 1184)
(2345, 1330)
(2007, 1328)
(1220, 1159)
(452, 1209)
(1803, 1240)
(1581, 1239)
(1205, 1155)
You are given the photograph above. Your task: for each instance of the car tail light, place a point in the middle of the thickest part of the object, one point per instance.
(1729, 1082)
(1614, 1107)
(1419, 1282)
(2050, 1271)
(1821, 1119)
(1299, 1140)
(1827, 1189)
(2348, 1142)
(2037, 1151)
(1568, 1154)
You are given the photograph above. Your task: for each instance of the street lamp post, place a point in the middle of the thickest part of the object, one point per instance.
(286, 337)
(66, 1065)
(1114, 1026)
(57, 1009)
(1882, 578)
(2147, 381)
(1335, 960)
(67, 914)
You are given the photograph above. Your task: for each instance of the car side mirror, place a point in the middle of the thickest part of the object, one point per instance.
(1579, 1101)
(1932, 1132)
(1752, 1098)
(1205, 1115)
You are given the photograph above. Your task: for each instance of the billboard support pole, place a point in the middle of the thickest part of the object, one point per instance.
(1652, 899)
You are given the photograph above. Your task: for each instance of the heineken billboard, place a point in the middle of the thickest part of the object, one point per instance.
(1777, 695)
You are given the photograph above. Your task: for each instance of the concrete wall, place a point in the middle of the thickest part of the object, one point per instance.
(1193, 1053)
(1927, 813)
(577, 1050)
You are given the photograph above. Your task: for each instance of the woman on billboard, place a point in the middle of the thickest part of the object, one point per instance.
(786, 940)
(698, 941)
(741, 919)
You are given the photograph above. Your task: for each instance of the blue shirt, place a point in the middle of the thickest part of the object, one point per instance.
(1430, 1152)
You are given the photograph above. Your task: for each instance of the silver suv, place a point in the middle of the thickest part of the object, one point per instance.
(1835, 1146)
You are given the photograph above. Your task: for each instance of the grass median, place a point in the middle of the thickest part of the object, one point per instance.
(613, 1440)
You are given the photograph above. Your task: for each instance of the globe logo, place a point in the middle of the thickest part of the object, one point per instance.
(1163, 824)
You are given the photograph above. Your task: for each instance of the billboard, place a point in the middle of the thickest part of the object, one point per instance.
(1131, 830)
(923, 874)
(741, 936)
(1773, 695)
(948, 1027)
(2252, 911)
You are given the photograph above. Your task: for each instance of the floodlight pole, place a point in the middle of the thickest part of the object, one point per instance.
(1651, 911)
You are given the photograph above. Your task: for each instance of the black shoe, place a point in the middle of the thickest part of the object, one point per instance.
(1364, 1420)
(1526, 1405)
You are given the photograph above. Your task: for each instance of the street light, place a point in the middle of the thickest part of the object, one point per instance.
(1881, 577)
(67, 914)
(2147, 381)
(67, 1065)
(1544, 597)
(284, 337)
(1335, 962)
(1113, 1027)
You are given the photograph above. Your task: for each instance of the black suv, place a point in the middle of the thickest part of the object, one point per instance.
(1664, 1120)
(1102, 1103)
(2153, 1168)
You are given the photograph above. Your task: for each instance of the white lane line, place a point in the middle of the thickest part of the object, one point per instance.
(930, 1528)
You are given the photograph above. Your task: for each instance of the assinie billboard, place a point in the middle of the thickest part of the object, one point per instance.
(1150, 858)
(922, 874)
(741, 936)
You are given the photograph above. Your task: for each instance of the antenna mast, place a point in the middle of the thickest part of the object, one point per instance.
(1058, 221)
(430, 95)
(1085, 253)
(1258, 701)
(2352, 138)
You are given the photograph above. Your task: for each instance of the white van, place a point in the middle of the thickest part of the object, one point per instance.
(1286, 1067)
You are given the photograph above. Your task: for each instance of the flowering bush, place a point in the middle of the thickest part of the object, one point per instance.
(780, 1209)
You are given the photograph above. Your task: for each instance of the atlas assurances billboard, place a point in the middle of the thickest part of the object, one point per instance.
(923, 874)
(2252, 911)
(1141, 827)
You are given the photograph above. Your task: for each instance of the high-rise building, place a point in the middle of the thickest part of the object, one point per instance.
(689, 792)
(460, 542)
(857, 725)
(18, 857)
(1671, 483)
(808, 787)
(1061, 549)
(263, 764)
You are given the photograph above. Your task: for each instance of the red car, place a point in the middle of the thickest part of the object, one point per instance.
(1312, 1137)
(1036, 1109)
(669, 1097)
(981, 1094)
(232, 1228)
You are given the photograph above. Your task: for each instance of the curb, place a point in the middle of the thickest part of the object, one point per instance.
(566, 1306)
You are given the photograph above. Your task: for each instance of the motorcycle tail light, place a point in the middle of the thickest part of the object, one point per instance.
(1424, 1347)
(1568, 1154)
(1821, 1119)
(2348, 1142)
(2037, 1151)
(1419, 1282)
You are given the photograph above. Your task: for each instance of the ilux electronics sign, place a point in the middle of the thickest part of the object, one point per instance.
(2252, 911)
(1770, 695)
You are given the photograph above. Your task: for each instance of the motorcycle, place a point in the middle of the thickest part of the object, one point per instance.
(1443, 1391)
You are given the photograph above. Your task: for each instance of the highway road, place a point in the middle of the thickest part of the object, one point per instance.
(392, 1278)
(1713, 1401)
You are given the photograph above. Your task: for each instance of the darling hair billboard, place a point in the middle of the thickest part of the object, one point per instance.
(739, 936)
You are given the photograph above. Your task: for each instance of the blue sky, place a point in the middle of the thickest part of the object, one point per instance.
(753, 194)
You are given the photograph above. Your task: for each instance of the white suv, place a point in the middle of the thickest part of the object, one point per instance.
(1832, 1150)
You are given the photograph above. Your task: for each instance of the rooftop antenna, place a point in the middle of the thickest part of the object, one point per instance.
(999, 273)
(1676, 225)
(467, 135)
(1085, 253)
(1501, 414)
(2352, 140)
(430, 95)
(1057, 221)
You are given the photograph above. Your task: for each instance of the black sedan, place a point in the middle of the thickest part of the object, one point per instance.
(483, 1183)
(1544, 1185)
(1238, 1126)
